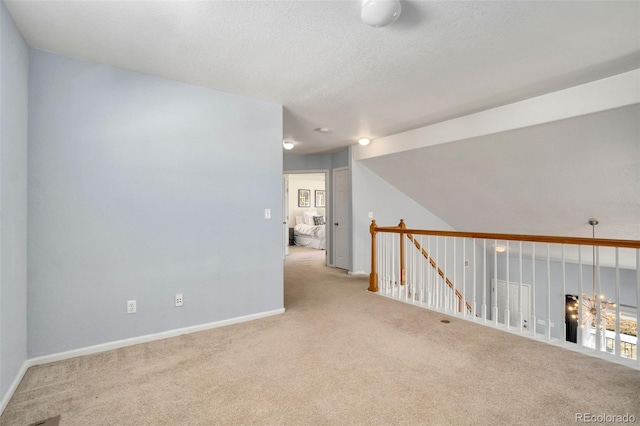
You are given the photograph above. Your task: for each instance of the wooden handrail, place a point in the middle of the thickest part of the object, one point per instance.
(441, 273)
(634, 244)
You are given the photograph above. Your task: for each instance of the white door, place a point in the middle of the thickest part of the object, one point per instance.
(285, 216)
(514, 309)
(341, 219)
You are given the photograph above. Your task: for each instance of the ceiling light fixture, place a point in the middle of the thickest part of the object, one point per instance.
(379, 13)
(364, 141)
(501, 249)
(288, 145)
(595, 310)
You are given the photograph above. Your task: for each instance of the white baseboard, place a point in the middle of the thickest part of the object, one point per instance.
(14, 385)
(357, 273)
(45, 359)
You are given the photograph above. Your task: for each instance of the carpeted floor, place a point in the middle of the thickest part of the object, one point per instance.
(338, 356)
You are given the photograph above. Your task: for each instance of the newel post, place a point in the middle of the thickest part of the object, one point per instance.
(373, 277)
(403, 271)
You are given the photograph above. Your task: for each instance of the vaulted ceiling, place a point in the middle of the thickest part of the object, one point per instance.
(439, 61)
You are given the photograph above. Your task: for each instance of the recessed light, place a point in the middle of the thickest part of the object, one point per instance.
(288, 145)
(323, 129)
(364, 141)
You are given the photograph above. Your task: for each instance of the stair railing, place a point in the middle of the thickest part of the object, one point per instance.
(580, 293)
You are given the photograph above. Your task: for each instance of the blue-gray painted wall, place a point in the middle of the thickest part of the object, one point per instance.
(14, 56)
(140, 188)
(371, 193)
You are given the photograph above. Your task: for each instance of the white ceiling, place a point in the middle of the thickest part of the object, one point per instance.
(440, 60)
(317, 58)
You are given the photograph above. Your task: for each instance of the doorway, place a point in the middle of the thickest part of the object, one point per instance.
(306, 213)
(519, 298)
(342, 220)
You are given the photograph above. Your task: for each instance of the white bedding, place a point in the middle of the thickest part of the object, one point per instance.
(310, 236)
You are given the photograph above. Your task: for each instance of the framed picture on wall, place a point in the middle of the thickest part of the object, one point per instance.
(320, 198)
(304, 198)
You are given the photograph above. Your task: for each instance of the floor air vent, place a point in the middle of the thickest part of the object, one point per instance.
(52, 421)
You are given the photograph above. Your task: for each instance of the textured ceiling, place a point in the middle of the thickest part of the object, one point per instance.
(438, 61)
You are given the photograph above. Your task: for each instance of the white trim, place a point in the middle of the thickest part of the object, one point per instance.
(14, 385)
(357, 273)
(45, 359)
(596, 96)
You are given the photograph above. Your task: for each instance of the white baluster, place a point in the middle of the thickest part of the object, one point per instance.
(474, 306)
(464, 277)
(563, 305)
(534, 317)
(507, 312)
(445, 293)
(494, 295)
(598, 306)
(422, 283)
(580, 298)
(385, 258)
(548, 293)
(520, 319)
(617, 302)
(437, 276)
(429, 276)
(484, 281)
(393, 265)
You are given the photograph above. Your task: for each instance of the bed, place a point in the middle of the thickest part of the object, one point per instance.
(310, 231)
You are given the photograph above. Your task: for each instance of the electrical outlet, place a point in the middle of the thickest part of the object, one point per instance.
(179, 299)
(131, 306)
(267, 213)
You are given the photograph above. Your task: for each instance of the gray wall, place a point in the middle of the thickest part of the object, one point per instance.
(139, 188)
(371, 193)
(14, 57)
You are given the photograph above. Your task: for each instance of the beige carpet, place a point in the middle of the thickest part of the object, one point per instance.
(338, 356)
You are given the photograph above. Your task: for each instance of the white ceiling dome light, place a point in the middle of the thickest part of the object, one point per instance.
(379, 13)
(288, 145)
(364, 141)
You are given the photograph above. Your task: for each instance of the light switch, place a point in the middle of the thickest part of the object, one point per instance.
(267, 213)
(370, 215)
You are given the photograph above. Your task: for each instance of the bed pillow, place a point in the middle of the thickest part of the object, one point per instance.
(318, 220)
(299, 220)
(308, 217)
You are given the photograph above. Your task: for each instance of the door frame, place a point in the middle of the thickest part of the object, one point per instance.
(328, 203)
